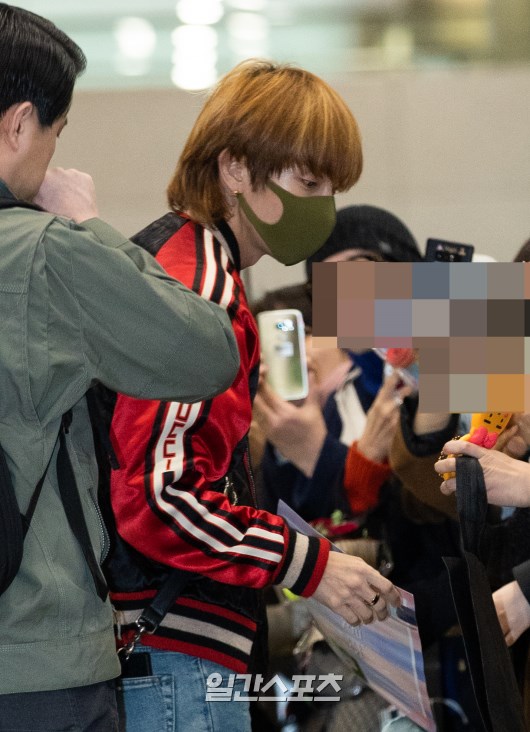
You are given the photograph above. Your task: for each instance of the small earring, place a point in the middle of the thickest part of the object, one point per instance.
(234, 203)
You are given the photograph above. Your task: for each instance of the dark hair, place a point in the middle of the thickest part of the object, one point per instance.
(293, 296)
(523, 255)
(38, 64)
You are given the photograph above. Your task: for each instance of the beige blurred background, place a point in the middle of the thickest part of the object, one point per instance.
(441, 91)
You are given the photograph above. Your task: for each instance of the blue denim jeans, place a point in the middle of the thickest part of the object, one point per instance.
(173, 699)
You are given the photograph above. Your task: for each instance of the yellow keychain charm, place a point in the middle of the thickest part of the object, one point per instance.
(484, 431)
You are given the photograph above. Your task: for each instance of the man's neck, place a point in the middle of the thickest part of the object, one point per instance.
(245, 236)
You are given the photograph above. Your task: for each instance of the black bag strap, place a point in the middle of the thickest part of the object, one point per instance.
(74, 510)
(151, 616)
(471, 503)
(14, 525)
(6, 202)
(32, 505)
(99, 424)
(67, 488)
(495, 687)
(11, 529)
(166, 596)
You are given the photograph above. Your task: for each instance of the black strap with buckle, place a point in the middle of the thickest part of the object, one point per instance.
(150, 619)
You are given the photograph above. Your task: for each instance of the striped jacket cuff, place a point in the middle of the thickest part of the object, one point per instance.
(304, 563)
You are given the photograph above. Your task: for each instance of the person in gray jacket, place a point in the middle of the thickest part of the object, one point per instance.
(80, 304)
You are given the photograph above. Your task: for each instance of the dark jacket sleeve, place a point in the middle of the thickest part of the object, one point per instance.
(412, 459)
(521, 574)
(313, 497)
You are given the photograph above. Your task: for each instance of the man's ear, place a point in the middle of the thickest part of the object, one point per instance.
(15, 122)
(233, 173)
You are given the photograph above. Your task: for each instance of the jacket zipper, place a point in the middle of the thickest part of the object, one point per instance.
(104, 535)
(250, 475)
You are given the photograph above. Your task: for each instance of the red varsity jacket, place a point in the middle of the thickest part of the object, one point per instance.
(183, 495)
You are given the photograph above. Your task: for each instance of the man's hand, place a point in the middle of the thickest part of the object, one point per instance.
(354, 590)
(513, 611)
(68, 193)
(298, 432)
(507, 480)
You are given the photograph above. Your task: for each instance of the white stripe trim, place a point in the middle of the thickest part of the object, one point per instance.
(264, 534)
(210, 266)
(174, 460)
(199, 627)
(297, 562)
(228, 291)
(218, 546)
(221, 523)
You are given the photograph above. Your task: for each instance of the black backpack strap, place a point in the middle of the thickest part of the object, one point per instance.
(100, 402)
(74, 509)
(10, 528)
(7, 202)
(152, 238)
(32, 505)
(14, 525)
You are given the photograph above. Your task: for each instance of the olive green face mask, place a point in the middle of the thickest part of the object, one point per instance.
(305, 224)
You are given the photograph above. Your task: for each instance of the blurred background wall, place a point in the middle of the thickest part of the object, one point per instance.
(440, 88)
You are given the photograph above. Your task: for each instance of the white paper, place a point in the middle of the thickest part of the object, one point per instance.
(387, 652)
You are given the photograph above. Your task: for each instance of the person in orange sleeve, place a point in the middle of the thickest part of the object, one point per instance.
(367, 467)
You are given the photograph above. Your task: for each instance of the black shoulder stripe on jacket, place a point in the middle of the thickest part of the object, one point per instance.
(154, 236)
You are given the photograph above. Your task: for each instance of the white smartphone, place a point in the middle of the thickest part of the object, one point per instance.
(282, 336)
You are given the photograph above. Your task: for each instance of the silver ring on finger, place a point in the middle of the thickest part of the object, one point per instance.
(374, 600)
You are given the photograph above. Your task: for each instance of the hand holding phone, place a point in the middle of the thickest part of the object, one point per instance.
(282, 336)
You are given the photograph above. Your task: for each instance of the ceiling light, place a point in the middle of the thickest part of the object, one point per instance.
(247, 26)
(249, 5)
(200, 12)
(194, 57)
(136, 37)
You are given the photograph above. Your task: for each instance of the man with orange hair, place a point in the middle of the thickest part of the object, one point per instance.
(257, 176)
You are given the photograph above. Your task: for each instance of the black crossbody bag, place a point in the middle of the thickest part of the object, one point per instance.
(497, 697)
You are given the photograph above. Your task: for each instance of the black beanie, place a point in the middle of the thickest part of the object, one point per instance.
(372, 229)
